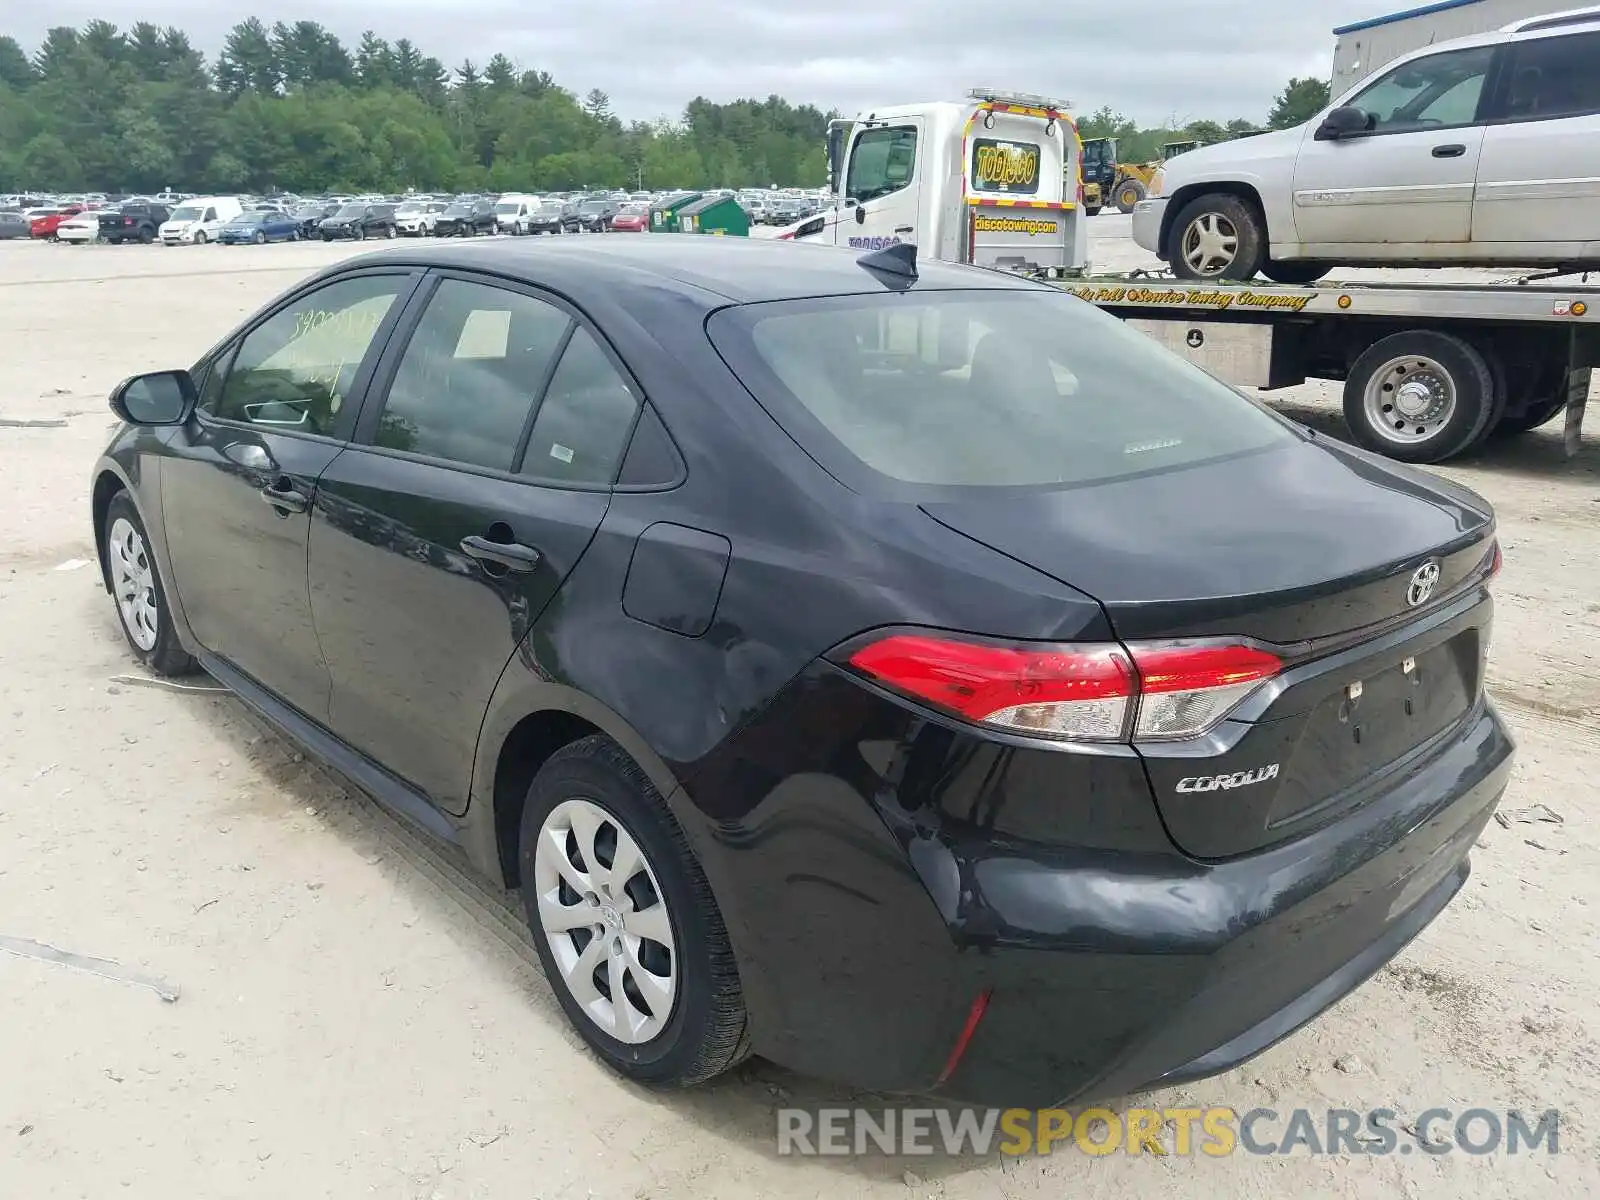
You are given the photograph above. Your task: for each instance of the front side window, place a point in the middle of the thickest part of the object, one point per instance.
(1440, 90)
(470, 375)
(583, 425)
(295, 369)
(881, 161)
(995, 388)
(1553, 77)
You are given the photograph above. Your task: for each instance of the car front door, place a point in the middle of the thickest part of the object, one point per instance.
(1408, 179)
(484, 463)
(1539, 180)
(883, 178)
(239, 479)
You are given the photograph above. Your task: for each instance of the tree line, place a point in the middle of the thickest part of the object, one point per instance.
(289, 107)
(1298, 102)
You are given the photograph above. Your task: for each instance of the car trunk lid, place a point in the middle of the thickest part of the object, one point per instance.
(1366, 580)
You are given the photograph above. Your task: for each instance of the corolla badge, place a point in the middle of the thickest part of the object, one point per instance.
(1212, 783)
(1423, 580)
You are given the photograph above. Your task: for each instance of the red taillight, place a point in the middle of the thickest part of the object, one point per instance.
(1098, 693)
(1496, 560)
(127, 220)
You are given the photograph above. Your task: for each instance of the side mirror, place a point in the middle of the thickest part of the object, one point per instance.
(861, 213)
(158, 398)
(1341, 123)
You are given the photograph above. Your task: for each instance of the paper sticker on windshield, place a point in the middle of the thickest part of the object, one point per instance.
(1008, 167)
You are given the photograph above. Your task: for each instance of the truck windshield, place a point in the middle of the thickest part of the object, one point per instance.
(187, 213)
(881, 161)
(998, 388)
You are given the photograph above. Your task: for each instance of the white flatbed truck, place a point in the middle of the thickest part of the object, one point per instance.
(1429, 370)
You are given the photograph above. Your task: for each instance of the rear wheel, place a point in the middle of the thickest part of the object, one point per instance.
(1295, 272)
(624, 921)
(1216, 236)
(1420, 396)
(146, 236)
(138, 591)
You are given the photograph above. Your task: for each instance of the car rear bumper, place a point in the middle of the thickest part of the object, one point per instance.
(1147, 218)
(877, 890)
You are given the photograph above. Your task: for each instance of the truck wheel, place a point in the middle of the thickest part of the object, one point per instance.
(1420, 396)
(1530, 418)
(1216, 236)
(1129, 193)
(1294, 273)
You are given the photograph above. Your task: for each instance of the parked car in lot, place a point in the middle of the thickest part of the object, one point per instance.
(132, 221)
(595, 216)
(417, 218)
(309, 217)
(84, 227)
(511, 213)
(198, 221)
(631, 218)
(466, 218)
(260, 227)
(45, 224)
(554, 216)
(853, 666)
(360, 221)
(14, 225)
(1483, 150)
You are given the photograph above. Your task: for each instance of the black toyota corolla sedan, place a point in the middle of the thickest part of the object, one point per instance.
(921, 680)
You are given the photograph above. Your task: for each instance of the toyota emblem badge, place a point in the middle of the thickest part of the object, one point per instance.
(1423, 580)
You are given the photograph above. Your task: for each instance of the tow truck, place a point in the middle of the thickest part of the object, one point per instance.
(992, 181)
(1430, 370)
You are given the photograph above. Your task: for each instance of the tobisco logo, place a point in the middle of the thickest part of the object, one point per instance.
(1028, 225)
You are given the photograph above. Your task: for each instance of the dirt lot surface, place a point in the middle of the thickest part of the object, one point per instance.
(359, 1016)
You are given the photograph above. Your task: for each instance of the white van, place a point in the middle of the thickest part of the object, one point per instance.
(511, 212)
(199, 220)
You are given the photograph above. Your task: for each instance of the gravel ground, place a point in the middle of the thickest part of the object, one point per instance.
(359, 1016)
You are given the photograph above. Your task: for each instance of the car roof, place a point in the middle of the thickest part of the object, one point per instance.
(743, 270)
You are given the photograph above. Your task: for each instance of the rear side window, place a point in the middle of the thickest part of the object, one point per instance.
(1553, 77)
(470, 375)
(1019, 388)
(583, 425)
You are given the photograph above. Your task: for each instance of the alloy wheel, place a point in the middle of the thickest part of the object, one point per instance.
(134, 583)
(606, 921)
(1210, 244)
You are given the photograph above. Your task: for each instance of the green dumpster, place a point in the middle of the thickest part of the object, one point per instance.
(717, 215)
(664, 213)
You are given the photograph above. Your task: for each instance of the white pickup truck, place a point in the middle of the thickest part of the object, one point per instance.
(1480, 151)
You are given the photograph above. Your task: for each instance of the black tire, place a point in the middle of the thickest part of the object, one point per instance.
(1479, 396)
(260, 238)
(1250, 243)
(360, 233)
(167, 656)
(707, 1030)
(1528, 419)
(389, 231)
(200, 238)
(1129, 193)
(1295, 273)
(146, 236)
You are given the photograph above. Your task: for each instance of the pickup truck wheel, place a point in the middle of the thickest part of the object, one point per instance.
(1421, 396)
(1216, 236)
(1294, 273)
(1129, 193)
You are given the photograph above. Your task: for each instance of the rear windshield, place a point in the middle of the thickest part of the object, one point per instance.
(1012, 388)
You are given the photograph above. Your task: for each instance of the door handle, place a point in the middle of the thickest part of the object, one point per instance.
(1454, 150)
(281, 495)
(513, 556)
(902, 229)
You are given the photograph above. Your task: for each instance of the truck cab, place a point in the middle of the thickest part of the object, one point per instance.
(992, 180)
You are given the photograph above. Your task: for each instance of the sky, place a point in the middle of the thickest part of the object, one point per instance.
(1154, 60)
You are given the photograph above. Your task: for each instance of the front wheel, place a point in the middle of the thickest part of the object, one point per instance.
(1217, 236)
(361, 233)
(1421, 396)
(200, 237)
(1295, 273)
(259, 239)
(389, 231)
(1129, 193)
(625, 924)
(138, 591)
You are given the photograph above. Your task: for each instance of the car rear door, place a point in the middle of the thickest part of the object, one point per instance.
(1539, 179)
(238, 480)
(1409, 179)
(486, 453)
